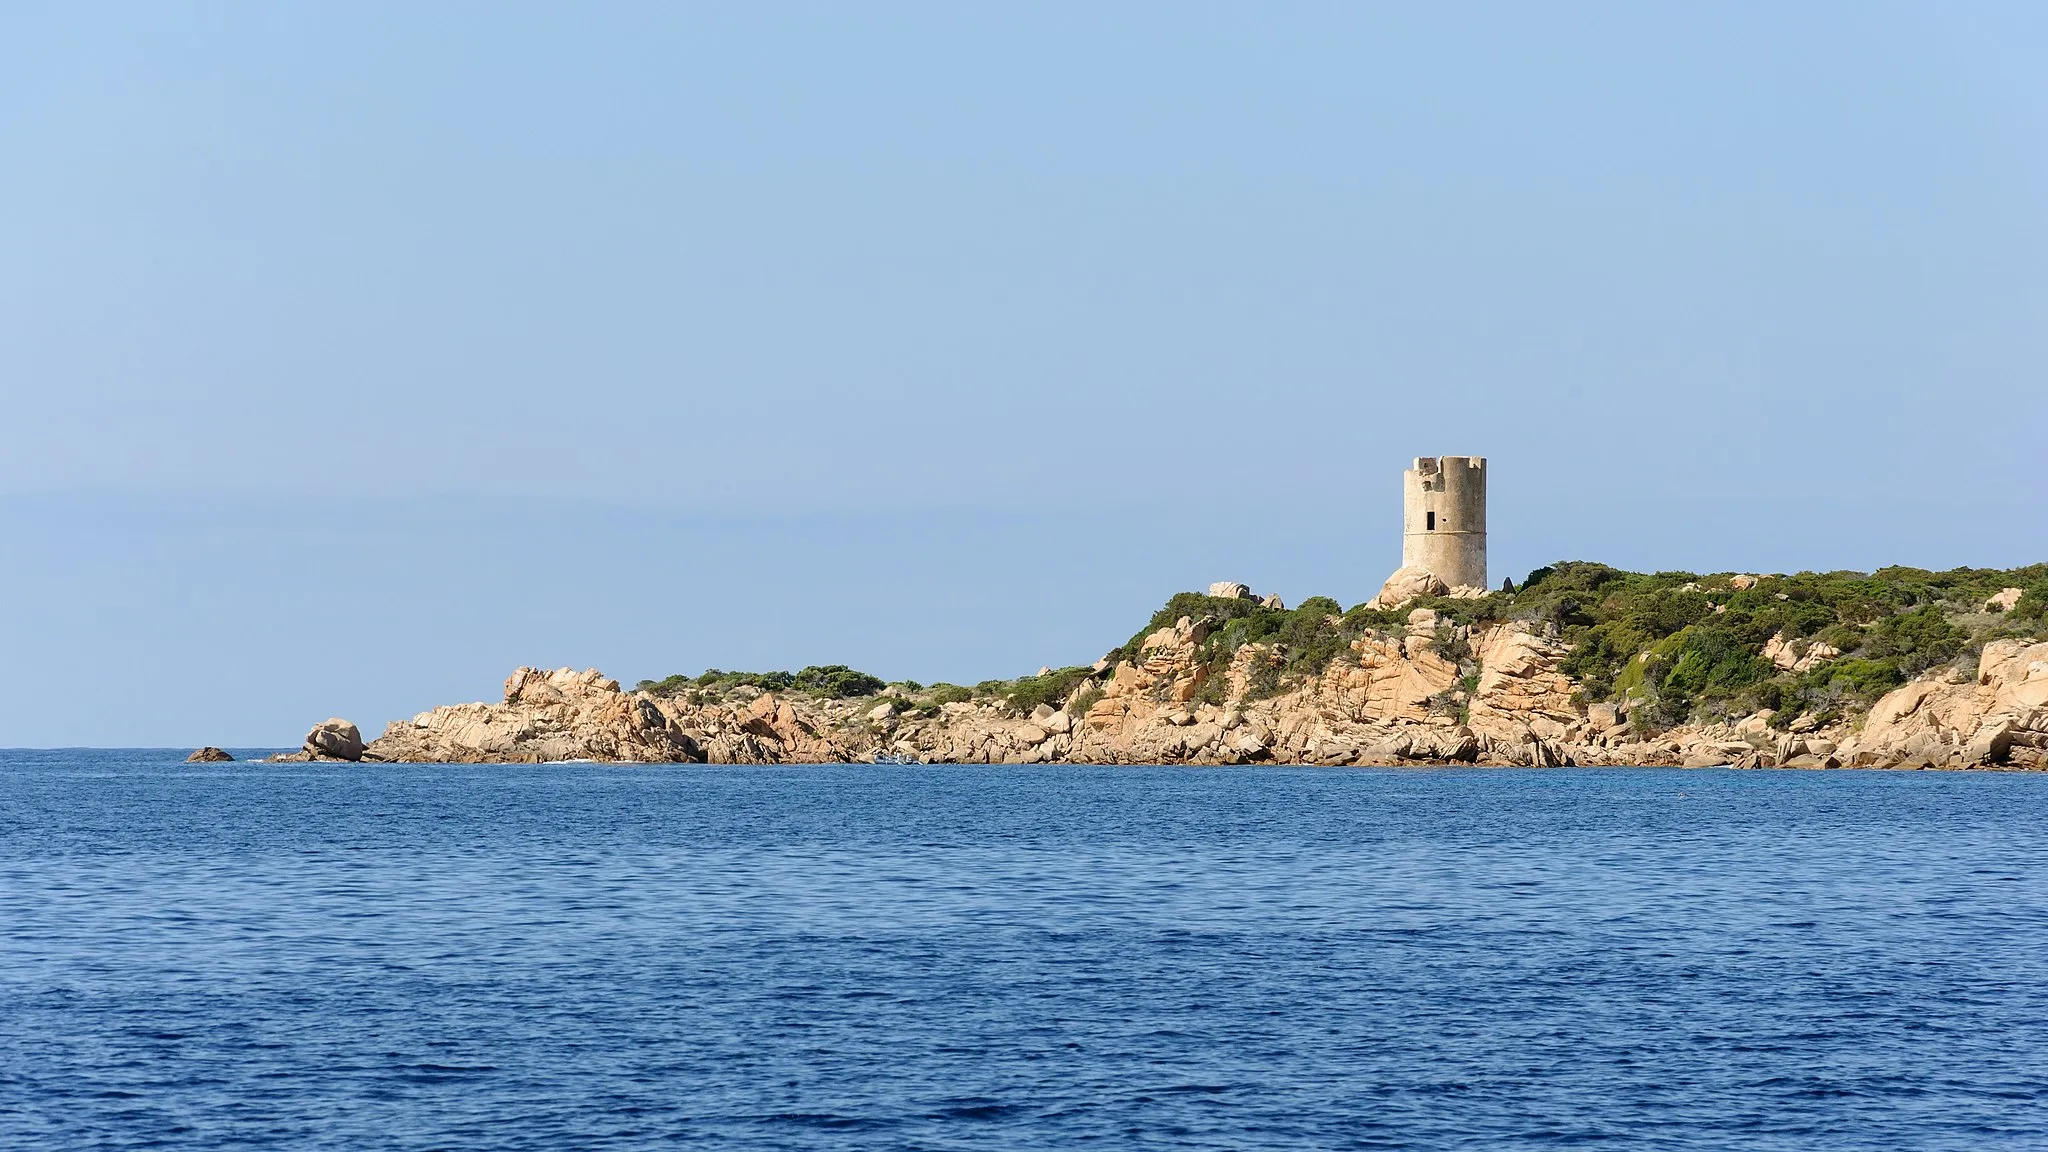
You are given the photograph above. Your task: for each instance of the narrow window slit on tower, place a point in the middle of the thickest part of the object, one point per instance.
(1431, 526)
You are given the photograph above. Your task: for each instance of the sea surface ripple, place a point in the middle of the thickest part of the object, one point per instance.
(598, 957)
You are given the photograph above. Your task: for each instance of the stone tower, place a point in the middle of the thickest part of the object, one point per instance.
(1443, 518)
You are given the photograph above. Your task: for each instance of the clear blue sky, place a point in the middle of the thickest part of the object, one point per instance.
(352, 354)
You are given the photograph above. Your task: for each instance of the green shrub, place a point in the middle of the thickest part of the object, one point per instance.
(1266, 675)
(1307, 640)
(1599, 656)
(833, 681)
(1080, 702)
(836, 682)
(1028, 692)
(1841, 685)
(1567, 593)
(1473, 613)
(943, 693)
(1363, 619)
(1707, 666)
(1862, 681)
(769, 681)
(1194, 606)
(1915, 641)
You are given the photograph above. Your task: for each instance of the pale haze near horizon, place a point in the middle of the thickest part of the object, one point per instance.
(355, 354)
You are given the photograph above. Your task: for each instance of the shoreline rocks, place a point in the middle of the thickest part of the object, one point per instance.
(559, 715)
(1430, 691)
(1382, 705)
(1387, 702)
(1998, 718)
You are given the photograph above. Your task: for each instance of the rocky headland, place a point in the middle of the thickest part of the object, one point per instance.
(1583, 664)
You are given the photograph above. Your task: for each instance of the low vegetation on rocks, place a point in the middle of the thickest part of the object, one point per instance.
(1678, 646)
(1048, 689)
(826, 681)
(1296, 644)
(1580, 663)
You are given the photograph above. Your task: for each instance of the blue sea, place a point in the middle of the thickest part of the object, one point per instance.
(596, 957)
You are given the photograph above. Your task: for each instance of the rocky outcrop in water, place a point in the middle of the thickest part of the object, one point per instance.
(334, 739)
(209, 755)
(559, 715)
(331, 740)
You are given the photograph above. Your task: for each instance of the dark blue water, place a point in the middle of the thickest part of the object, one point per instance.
(855, 957)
